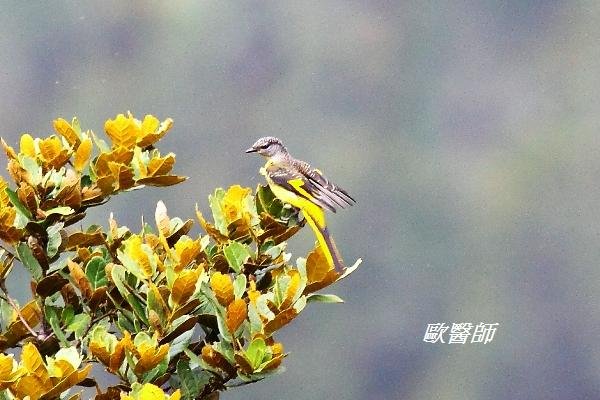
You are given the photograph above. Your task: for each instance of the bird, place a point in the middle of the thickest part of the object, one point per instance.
(295, 182)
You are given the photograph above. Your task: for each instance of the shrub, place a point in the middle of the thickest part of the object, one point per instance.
(170, 315)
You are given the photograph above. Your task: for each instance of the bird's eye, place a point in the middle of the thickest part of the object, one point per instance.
(264, 146)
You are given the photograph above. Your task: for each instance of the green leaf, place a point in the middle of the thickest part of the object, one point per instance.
(118, 277)
(54, 239)
(29, 261)
(14, 199)
(137, 306)
(218, 310)
(96, 273)
(239, 286)
(76, 127)
(323, 298)
(226, 350)
(79, 324)
(256, 324)
(267, 202)
(101, 144)
(52, 318)
(34, 170)
(215, 200)
(280, 290)
(192, 381)
(195, 361)
(256, 352)
(67, 315)
(69, 354)
(180, 343)
(236, 253)
(156, 303)
(157, 371)
(6, 314)
(275, 251)
(124, 323)
(5, 395)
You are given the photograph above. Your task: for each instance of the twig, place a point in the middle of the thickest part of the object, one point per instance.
(96, 320)
(18, 311)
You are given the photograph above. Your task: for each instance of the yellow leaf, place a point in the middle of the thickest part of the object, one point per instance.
(280, 320)
(236, 314)
(32, 361)
(316, 266)
(106, 184)
(150, 357)
(186, 250)
(8, 232)
(81, 279)
(137, 251)
(123, 131)
(65, 129)
(82, 154)
(152, 132)
(319, 272)
(161, 180)
(99, 351)
(215, 359)
(4, 201)
(70, 193)
(210, 229)
(150, 392)
(52, 152)
(30, 385)
(232, 204)
(27, 145)
(119, 155)
(184, 285)
(72, 379)
(160, 165)
(118, 354)
(222, 285)
(9, 371)
(277, 348)
(253, 294)
(123, 175)
(10, 152)
(28, 197)
(32, 314)
(292, 289)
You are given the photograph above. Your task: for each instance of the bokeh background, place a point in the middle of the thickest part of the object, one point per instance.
(467, 130)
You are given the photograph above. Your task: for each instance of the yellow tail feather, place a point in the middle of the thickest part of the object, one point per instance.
(326, 242)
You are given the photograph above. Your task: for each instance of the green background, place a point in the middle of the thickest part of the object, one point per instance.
(467, 131)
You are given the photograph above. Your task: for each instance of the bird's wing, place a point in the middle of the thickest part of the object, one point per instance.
(297, 183)
(325, 187)
(310, 184)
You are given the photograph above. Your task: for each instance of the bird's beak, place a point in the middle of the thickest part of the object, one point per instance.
(251, 150)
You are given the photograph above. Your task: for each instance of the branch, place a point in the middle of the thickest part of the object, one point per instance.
(18, 311)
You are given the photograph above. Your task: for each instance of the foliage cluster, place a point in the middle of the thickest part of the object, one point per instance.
(168, 314)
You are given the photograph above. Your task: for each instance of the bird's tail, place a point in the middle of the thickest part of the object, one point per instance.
(326, 242)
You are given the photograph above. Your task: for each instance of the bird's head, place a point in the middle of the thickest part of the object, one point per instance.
(268, 146)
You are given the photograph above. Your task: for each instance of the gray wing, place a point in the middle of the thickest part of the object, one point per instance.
(323, 189)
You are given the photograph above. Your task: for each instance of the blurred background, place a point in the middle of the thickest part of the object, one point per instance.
(468, 132)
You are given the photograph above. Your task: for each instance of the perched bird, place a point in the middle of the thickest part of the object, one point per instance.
(296, 183)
